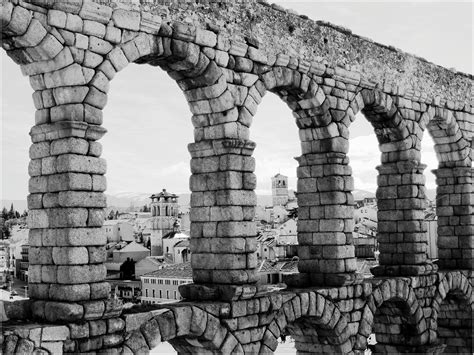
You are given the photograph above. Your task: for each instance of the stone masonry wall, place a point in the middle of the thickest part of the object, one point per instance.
(421, 314)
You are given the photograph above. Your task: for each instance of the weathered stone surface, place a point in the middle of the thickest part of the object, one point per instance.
(96, 12)
(60, 311)
(129, 20)
(69, 292)
(69, 76)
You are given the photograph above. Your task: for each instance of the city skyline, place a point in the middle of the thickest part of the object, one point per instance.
(149, 122)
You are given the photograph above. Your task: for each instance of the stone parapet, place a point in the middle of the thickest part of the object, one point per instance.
(423, 314)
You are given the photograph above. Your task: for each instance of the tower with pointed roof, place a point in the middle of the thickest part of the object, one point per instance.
(164, 213)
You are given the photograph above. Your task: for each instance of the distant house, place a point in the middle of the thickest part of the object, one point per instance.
(23, 263)
(118, 230)
(367, 215)
(271, 272)
(161, 286)
(176, 247)
(149, 264)
(132, 250)
(128, 290)
(287, 233)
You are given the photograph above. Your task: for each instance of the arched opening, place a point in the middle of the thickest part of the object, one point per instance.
(395, 328)
(428, 157)
(276, 136)
(401, 229)
(364, 156)
(17, 118)
(453, 182)
(317, 327)
(455, 317)
(307, 337)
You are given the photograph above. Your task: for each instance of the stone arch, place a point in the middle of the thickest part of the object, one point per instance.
(189, 329)
(315, 322)
(452, 148)
(395, 301)
(401, 190)
(322, 195)
(388, 119)
(453, 312)
(70, 67)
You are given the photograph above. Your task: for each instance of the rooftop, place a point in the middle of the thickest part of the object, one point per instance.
(179, 271)
(164, 194)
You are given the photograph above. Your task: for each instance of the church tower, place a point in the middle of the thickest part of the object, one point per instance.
(164, 213)
(280, 190)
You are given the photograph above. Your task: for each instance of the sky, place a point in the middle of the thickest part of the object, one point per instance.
(149, 122)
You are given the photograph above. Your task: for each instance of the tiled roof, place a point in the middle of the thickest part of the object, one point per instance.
(268, 266)
(178, 271)
(171, 235)
(133, 247)
(182, 244)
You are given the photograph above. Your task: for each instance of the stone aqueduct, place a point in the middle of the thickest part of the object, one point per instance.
(225, 56)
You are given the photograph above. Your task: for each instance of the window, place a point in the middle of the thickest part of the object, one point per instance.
(153, 293)
(160, 282)
(175, 282)
(167, 282)
(175, 295)
(167, 294)
(161, 296)
(146, 292)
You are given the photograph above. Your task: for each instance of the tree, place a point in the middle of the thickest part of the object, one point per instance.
(111, 215)
(24, 214)
(4, 213)
(11, 213)
(5, 229)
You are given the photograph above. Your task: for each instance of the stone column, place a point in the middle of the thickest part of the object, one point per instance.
(66, 202)
(401, 227)
(325, 219)
(223, 233)
(455, 210)
(66, 211)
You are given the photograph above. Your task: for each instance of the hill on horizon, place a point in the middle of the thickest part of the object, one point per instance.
(126, 200)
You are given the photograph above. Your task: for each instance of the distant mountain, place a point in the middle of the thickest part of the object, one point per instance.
(125, 200)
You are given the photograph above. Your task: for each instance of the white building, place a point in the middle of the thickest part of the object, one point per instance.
(161, 286)
(118, 230)
(176, 247)
(287, 232)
